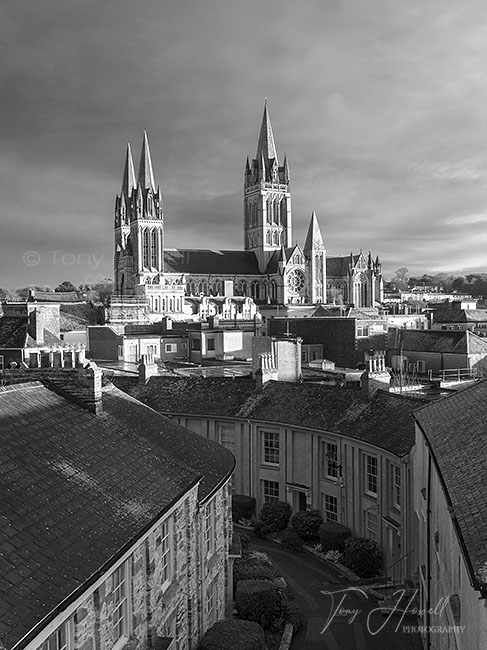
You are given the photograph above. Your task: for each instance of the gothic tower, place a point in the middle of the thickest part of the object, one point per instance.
(267, 198)
(315, 256)
(139, 226)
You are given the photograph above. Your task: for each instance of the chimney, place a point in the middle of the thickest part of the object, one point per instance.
(147, 368)
(376, 375)
(266, 371)
(64, 371)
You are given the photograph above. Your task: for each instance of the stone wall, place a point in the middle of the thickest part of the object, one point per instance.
(173, 608)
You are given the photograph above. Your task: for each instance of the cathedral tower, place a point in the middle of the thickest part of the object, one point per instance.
(139, 226)
(267, 198)
(315, 256)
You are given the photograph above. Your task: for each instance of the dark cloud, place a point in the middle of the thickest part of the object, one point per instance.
(380, 107)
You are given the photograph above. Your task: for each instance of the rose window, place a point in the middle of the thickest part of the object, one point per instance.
(295, 281)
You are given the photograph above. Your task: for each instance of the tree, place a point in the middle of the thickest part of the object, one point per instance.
(400, 278)
(65, 286)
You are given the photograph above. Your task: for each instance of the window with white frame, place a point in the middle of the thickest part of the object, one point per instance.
(270, 491)
(164, 544)
(270, 447)
(330, 460)
(120, 352)
(371, 472)
(2, 361)
(210, 528)
(362, 330)
(330, 507)
(396, 485)
(171, 347)
(372, 524)
(58, 640)
(120, 617)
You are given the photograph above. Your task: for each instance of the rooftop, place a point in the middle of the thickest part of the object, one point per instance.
(384, 421)
(78, 488)
(455, 428)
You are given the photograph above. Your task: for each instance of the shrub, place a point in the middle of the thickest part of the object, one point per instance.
(235, 634)
(254, 566)
(260, 529)
(333, 536)
(243, 507)
(333, 556)
(275, 515)
(307, 523)
(363, 556)
(258, 601)
(291, 540)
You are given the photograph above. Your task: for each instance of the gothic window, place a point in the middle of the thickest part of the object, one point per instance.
(154, 249)
(296, 281)
(283, 209)
(268, 237)
(145, 248)
(269, 210)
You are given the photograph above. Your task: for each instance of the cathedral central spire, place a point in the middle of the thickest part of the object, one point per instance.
(266, 146)
(146, 175)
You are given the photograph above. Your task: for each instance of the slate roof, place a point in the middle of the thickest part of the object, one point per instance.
(77, 488)
(456, 430)
(273, 263)
(55, 296)
(384, 421)
(462, 316)
(205, 262)
(453, 342)
(338, 267)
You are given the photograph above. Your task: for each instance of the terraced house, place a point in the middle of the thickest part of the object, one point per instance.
(340, 450)
(115, 522)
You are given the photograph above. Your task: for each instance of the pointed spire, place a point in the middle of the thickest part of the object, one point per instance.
(128, 183)
(286, 170)
(146, 175)
(314, 238)
(266, 145)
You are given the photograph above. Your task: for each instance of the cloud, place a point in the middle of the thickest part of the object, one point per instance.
(380, 107)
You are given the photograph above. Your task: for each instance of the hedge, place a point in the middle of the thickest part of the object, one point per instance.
(259, 601)
(234, 634)
(363, 556)
(275, 515)
(333, 536)
(243, 507)
(307, 523)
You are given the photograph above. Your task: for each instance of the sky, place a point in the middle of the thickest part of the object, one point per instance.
(380, 107)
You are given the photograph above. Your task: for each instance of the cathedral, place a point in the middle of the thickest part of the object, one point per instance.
(270, 269)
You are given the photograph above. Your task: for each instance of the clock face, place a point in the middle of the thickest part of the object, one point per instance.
(296, 281)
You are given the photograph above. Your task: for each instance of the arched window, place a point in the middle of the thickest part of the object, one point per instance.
(154, 249)
(145, 248)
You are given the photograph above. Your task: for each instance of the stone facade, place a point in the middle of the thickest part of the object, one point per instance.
(172, 583)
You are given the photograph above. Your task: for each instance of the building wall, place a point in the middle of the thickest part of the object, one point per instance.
(301, 477)
(441, 565)
(168, 592)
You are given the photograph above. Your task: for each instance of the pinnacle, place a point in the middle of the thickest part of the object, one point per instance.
(146, 175)
(314, 238)
(128, 183)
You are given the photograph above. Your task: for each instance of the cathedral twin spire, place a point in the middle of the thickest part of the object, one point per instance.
(145, 178)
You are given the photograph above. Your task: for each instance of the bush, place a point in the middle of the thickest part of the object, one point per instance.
(254, 566)
(258, 601)
(235, 634)
(333, 556)
(243, 507)
(333, 536)
(291, 540)
(260, 529)
(307, 524)
(363, 556)
(275, 515)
